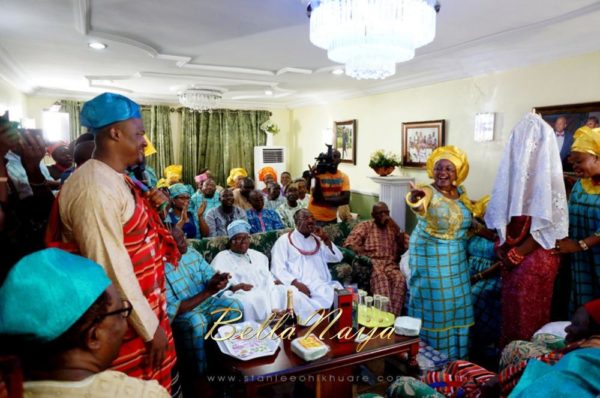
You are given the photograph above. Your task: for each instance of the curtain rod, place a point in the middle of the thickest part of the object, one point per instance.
(181, 109)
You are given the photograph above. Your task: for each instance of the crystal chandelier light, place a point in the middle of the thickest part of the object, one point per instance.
(200, 99)
(371, 36)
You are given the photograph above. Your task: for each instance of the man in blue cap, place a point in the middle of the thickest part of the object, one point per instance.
(69, 333)
(105, 215)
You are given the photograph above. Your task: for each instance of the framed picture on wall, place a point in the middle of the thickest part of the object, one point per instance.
(419, 139)
(572, 116)
(345, 140)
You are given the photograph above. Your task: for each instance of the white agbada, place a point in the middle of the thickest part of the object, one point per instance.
(287, 264)
(265, 296)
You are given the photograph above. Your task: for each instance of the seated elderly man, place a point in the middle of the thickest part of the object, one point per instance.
(68, 332)
(260, 218)
(383, 242)
(299, 258)
(192, 300)
(220, 217)
(252, 282)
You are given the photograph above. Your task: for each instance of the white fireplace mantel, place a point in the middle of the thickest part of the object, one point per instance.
(392, 191)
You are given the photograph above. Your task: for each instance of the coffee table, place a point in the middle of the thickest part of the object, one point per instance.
(332, 374)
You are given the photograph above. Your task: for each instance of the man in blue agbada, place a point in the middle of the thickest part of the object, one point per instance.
(103, 214)
(62, 316)
(194, 304)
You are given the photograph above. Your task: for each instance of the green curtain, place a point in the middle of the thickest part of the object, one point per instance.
(220, 140)
(73, 108)
(158, 129)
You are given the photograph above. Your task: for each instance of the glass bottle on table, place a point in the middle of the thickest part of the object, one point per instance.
(291, 319)
(362, 304)
(368, 308)
(383, 310)
(376, 307)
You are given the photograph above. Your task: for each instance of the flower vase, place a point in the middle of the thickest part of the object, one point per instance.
(384, 171)
(269, 139)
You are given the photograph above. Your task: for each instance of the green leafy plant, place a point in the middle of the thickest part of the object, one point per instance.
(381, 158)
(269, 127)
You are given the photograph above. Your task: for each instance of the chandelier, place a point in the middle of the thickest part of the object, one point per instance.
(371, 36)
(200, 99)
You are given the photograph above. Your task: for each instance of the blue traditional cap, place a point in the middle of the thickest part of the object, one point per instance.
(178, 189)
(108, 108)
(238, 227)
(46, 292)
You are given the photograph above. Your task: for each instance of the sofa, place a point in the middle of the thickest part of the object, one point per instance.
(352, 269)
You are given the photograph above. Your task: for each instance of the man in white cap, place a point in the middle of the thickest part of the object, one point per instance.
(251, 281)
(107, 218)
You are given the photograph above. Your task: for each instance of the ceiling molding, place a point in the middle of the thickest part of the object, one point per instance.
(288, 69)
(153, 99)
(231, 69)
(82, 16)
(210, 79)
(14, 73)
(520, 30)
(83, 10)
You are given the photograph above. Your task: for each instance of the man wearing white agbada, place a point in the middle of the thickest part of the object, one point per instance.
(252, 282)
(299, 259)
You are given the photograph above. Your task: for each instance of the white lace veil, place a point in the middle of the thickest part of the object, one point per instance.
(530, 183)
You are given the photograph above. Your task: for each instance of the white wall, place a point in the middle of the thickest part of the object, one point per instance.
(380, 117)
(12, 100)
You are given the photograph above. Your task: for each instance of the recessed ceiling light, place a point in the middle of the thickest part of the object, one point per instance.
(268, 92)
(337, 71)
(96, 45)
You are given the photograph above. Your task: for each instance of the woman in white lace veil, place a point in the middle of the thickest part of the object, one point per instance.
(528, 208)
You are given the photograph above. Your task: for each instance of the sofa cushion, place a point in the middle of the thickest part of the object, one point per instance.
(351, 269)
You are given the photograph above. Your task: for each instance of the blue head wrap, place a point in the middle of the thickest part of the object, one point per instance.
(178, 189)
(238, 227)
(108, 108)
(46, 292)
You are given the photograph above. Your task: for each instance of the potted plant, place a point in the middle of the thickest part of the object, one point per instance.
(270, 130)
(383, 162)
(269, 127)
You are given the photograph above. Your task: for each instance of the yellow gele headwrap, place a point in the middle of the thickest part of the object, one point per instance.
(262, 173)
(480, 206)
(587, 140)
(162, 183)
(235, 173)
(454, 155)
(173, 173)
(149, 150)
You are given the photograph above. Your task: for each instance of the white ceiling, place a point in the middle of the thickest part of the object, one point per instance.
(157, 47)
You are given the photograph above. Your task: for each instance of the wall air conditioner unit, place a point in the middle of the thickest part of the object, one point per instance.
(273, 156)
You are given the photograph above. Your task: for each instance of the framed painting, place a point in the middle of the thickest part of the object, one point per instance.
(568, 118)
(345, 140)
(419, 139)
